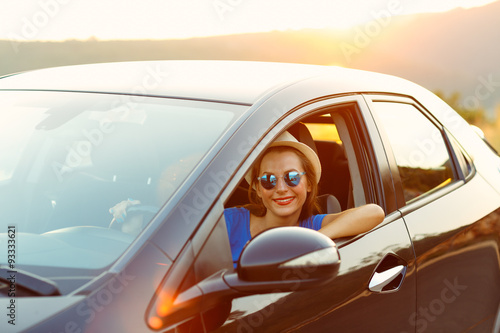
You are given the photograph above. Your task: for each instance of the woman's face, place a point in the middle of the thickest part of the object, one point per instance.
(283, 200)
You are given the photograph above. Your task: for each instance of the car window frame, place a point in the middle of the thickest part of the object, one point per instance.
(463, 159)
(434, 193)
(357, 122)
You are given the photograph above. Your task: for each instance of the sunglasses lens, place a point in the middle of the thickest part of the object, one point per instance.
(292, 178)
(268, 181)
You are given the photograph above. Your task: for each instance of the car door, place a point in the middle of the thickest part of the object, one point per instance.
(452, 216)
(376, 280)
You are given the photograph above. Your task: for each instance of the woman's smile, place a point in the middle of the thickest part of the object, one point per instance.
(284, 201)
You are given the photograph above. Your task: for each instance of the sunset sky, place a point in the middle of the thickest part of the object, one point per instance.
(161, 19)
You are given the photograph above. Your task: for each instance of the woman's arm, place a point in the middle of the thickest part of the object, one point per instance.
(119, 211)
(353, 221)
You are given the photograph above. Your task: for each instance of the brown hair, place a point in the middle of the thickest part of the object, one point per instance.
(310, 207)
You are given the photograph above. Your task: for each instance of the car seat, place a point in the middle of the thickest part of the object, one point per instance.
(328, 202)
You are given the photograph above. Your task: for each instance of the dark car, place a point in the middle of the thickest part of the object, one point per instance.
(177, 138)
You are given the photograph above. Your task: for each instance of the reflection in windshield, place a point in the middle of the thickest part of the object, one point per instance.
(419, 149)
(68, 158)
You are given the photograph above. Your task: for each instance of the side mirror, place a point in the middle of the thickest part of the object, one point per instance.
(286, 258)
(283, 259)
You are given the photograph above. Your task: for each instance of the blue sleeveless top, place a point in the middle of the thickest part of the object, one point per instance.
(238, 228)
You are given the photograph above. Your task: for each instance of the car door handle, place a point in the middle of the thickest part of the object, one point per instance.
(380, 280)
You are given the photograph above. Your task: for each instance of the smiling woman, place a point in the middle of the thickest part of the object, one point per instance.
(283, 191)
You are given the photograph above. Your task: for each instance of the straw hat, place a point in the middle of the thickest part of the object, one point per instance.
(288, 140)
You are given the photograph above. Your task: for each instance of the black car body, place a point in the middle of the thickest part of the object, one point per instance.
(179, 136)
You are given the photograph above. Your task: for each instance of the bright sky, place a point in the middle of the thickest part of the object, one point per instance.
(160, 19)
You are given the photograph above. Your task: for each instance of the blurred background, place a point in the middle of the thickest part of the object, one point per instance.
(449, 47)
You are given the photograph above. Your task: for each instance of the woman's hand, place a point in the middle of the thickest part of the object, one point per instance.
(119, 211)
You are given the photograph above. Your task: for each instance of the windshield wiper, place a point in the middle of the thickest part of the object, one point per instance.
(17, 280)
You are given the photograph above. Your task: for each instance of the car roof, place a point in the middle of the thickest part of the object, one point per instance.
(240, 82)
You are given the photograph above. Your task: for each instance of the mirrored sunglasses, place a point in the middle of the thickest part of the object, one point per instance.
(291, 178)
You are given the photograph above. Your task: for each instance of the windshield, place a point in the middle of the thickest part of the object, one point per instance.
(68, 158)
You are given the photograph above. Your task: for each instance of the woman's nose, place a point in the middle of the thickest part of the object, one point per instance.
(281, 186)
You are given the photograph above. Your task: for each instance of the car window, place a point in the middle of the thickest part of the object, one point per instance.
(419, 149)
(324, 131)
(67, 158)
